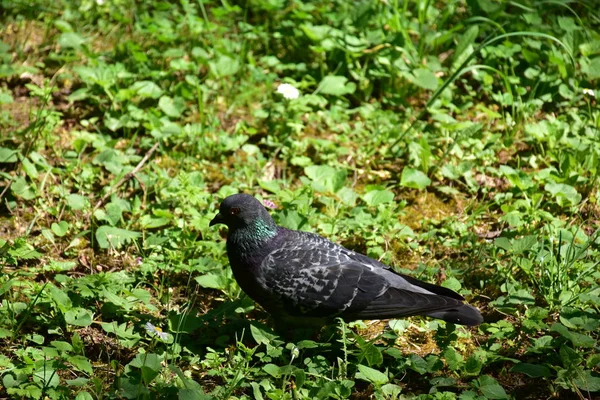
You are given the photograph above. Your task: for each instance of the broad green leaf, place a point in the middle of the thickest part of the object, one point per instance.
(336, 85)
(523, 244)
(452, 284)
(61, 298)
(8, 155)
(578, 339)
(588, 382)
(326, 178)
(224, 66)
(464, 46)
(71, 40)
(376, 197)
(109, 236)
(146, 89)
(29, 168)
(592, 68)
(371, 375)
(46, 377)
(77, 202)
(213, 281)
(82, 395)
(531, 370)
(569, 357)
(260, 335)
(193, 394)
(473, 365)
(78, 382)
(565, 194)
(79, 317)
(369, 351)
(62, 346)
(425, 79)
(490, 388)
(454, 360)
(415, 179)
(172, 107)
(60, 229)
(150, 365)
(81, 363)
(22, 189)
(272, 370)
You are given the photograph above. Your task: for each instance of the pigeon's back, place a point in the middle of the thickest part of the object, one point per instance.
(307, 276)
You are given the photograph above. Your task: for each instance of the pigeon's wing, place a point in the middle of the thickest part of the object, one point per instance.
(319, 281)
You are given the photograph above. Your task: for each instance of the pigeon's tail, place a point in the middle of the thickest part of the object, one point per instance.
(462, 315)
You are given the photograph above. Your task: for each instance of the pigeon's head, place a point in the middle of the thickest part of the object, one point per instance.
(241, 210)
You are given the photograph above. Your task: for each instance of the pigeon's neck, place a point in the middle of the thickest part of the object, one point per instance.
(253, 236)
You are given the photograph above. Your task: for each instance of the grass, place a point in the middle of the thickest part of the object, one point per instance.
(457, 141)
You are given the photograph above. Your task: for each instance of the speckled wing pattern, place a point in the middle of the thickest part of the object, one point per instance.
(314, 277)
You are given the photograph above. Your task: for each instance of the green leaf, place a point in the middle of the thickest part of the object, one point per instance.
(62, 346)
(71, 40)
(415, 179)
(150, 365)
(452, 284)
(369, 351)
(193, 394)
(464, 46)
(454, 360)
(272, 370)
(79, 317)
(531, 370)
(371, 375)
(146, 89)
(172, 107)
(78, 382)
(22, 189)
(29, 168)
(60, 229)
(213, 281)
(578, 339)
(376, 197)
(84, 396)
(524, 244)
(224, 66)
(425, 79)
(490, 388)
(564, 194)
(77, 202)
(260, 334)
(326, 178)
(46, 377)
(588, 382)
(336, 85)
(592, 68)
(8, 155)
(473, 365)
(61, 298)
(109, 236)
(569, 357)
(81, 363)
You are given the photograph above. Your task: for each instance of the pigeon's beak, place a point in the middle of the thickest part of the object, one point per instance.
(218, 219)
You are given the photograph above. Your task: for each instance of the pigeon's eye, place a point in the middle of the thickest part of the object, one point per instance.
(234, 211)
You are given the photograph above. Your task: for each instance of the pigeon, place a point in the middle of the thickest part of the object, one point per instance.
(301, 278)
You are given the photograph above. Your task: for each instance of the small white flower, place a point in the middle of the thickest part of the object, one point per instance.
(288, 91)
(589, 92)
(156, 331)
